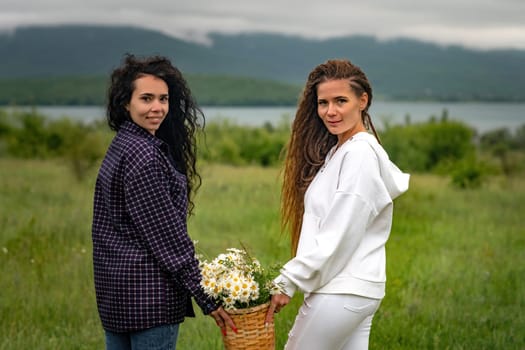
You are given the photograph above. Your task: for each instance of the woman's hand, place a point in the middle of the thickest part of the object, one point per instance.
(223, 319)
(276, 304)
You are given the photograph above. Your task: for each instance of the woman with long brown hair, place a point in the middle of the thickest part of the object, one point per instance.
(337, 203)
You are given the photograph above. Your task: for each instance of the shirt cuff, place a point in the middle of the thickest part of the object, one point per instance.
(285, 285)
(209, 307)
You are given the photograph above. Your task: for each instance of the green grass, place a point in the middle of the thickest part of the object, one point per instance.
(456, 262)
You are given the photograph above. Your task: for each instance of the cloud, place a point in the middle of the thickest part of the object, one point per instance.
(478, 24)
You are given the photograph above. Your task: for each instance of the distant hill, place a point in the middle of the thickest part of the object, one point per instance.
(209, 90)
(398, 69)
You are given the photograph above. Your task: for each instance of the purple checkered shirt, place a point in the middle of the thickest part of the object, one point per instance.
(144, 263)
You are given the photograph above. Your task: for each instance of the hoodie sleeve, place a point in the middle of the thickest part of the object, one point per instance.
(337, 239)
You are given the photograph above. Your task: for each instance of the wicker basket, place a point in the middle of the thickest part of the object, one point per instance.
(252, 333)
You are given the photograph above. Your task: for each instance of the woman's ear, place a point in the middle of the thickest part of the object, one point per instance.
(363, 101)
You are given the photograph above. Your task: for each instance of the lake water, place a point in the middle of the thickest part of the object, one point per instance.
(480, 115)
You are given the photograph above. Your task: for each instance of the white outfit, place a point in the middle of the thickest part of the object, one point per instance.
(333, 322)
(346, 224)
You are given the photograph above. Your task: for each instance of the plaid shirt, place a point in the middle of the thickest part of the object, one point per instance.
(145, 268)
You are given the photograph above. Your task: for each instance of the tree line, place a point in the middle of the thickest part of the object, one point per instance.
(212, 90)
(441, 146)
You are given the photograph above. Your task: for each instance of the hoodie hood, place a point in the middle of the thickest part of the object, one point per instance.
(395, 180)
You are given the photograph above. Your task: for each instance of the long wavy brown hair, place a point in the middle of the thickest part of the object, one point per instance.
(310, 141)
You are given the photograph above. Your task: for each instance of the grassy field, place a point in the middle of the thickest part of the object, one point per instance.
(456, 259)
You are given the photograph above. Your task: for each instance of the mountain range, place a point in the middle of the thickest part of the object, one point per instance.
(397, 69)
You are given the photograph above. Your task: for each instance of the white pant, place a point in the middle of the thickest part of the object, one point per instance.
(333, 322)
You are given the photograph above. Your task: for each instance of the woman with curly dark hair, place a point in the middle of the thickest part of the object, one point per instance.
(145, 268)
(337, 199)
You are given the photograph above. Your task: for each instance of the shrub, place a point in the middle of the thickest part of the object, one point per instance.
(424, 147)
(30, 135)
(226, 142)
(468, 173)
(505, 147)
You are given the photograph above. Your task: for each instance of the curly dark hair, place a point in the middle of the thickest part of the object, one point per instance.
(310, 141)
(182, 122)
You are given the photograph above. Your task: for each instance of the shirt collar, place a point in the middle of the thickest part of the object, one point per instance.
(134, 129)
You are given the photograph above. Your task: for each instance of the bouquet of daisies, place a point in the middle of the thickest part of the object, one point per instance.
(237, 280)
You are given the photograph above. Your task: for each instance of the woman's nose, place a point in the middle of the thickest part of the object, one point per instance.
(156, 105)
(331, 109)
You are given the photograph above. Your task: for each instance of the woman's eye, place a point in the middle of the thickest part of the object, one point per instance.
(321, 103)
(341, 100)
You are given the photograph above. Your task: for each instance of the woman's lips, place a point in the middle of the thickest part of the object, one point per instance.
(334, 122)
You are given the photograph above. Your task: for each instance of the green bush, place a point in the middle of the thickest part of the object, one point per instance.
(229, 143)
(28, 137)
(519, 138)
(506, 148)
(4, 124)
(31, 135)
(424, 147)
(468, 173)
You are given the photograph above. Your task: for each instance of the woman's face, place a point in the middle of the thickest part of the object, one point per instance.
(149, 102)
(340, 109)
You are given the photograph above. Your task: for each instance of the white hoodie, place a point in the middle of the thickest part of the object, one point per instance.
(346, 223)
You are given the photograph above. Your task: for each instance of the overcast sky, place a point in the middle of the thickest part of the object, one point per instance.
(484, 24)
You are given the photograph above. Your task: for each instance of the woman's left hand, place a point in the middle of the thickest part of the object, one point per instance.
(276, 304)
